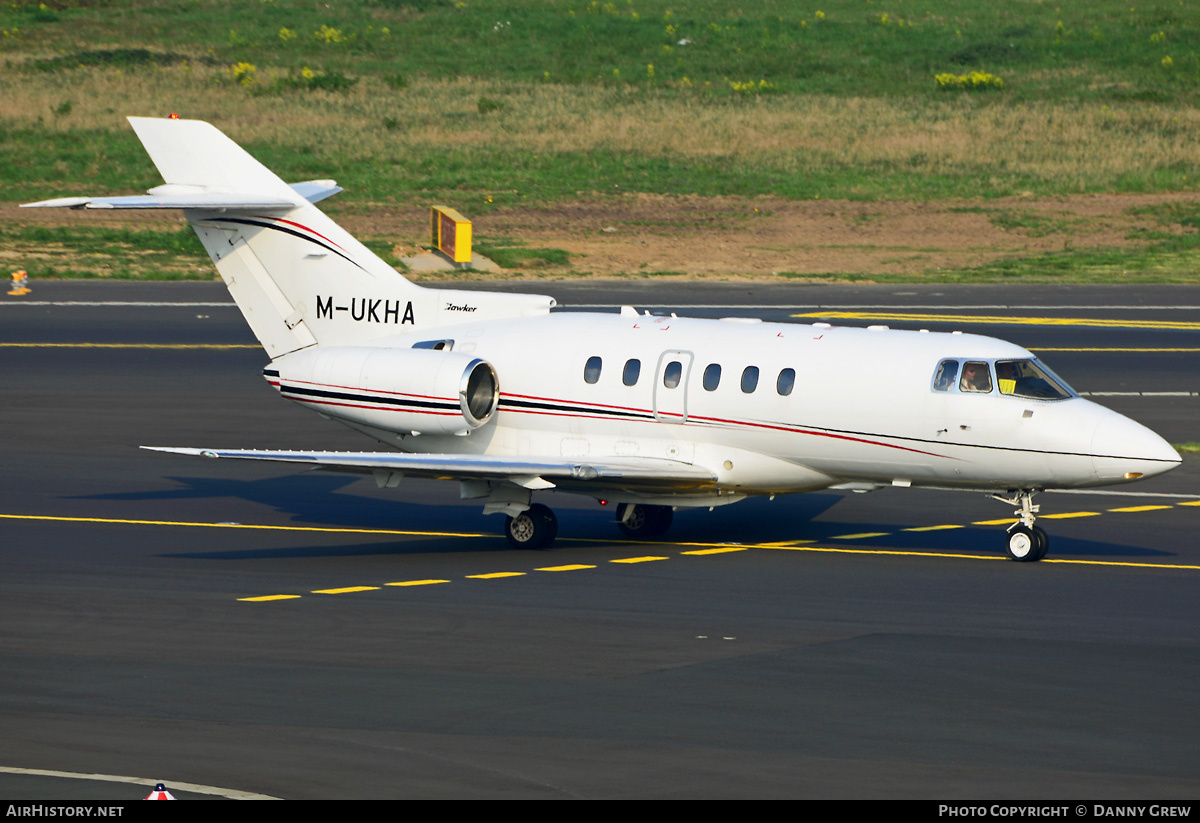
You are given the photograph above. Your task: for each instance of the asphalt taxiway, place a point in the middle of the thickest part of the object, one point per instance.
(251, 628)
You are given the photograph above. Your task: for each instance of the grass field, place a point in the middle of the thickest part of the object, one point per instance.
(499, 106)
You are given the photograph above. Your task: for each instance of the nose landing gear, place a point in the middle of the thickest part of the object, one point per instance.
(1026, 542)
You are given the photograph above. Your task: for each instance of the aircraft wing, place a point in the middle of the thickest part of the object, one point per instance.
(530, 472)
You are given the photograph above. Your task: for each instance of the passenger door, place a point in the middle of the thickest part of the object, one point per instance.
(670, 386)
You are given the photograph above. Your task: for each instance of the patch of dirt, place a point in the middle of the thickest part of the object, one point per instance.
(763, 237)
(731, 237)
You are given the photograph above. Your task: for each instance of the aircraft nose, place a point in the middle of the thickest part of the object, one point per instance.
(1126, 450)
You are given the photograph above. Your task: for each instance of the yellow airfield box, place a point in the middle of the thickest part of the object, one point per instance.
(451, 233)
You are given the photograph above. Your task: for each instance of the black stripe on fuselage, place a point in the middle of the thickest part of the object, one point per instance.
(616, 414)
(263, 224)
(325, 394)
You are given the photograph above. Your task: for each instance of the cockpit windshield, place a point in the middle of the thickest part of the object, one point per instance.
(1027, 378)
(1016, 378)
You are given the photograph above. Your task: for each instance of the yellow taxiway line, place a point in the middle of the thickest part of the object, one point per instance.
(400, 532)
(1007, 320)
(704, 550)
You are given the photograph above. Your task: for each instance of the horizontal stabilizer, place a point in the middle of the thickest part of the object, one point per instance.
(468, 466)
(196, 197)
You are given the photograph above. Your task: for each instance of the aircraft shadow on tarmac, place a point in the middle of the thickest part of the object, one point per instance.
(326, 500)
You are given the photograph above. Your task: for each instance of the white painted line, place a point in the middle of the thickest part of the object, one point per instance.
(757, 306)
(110, 303)
(147, 783)
(1139, 394)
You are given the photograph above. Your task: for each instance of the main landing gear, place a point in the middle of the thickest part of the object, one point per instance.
(534, 528)
(638, 521)
(1026, 542)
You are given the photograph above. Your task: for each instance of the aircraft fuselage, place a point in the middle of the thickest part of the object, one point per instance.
(769, 407)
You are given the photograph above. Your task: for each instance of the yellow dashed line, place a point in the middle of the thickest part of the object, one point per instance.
(709, 548)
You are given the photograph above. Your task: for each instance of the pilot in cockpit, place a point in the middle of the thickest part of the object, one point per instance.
(975, 378)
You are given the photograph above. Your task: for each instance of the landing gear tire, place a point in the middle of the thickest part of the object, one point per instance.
(1043, 542)
(534, 528)
(1025, 545)
(644, 521)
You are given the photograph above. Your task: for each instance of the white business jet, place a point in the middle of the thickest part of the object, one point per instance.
(651, 413)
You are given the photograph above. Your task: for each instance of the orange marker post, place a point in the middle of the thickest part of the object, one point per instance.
(20, 283)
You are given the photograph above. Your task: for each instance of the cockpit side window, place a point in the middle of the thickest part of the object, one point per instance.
(946, 374)
(976, 378)
(1025, 378)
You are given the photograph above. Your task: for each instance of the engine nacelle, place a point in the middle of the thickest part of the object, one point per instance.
(418, 391)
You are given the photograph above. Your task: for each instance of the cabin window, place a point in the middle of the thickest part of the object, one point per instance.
(750, 379)
(976, 378)
(591, 371)
(1025, 378)
(633, 368)
(786, 382)
(946, 374)
(712, 376)
(672, 374)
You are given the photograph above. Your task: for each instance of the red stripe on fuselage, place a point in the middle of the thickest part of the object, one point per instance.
(300, 226)
(702, 420)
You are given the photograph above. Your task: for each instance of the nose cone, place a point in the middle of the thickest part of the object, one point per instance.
(1125, 450)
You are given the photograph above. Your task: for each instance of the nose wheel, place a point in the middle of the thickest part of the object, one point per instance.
(1026, 542)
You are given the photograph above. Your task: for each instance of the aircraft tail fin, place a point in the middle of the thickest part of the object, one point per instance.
(298, 278)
